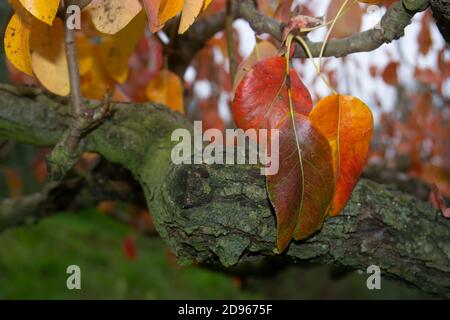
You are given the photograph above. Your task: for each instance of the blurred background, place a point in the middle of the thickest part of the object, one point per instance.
(406, 84)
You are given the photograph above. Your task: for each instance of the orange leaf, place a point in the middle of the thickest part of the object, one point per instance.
(169, 9)
(166, 88)
(348, 24)
(347, 123)
(14, 182)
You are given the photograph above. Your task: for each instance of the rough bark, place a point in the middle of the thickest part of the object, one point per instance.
(221, 213)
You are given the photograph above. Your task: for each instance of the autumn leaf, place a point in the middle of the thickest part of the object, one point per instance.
(191, 9)
(129, 248)
(302, 189)
(49, 57)
(13, 181)
(96, 81)
(44, 10)
(262, 51)
(166, 88)
(152, 9)
(111, 16)
(115, 50)
(16, 42)
(347, 123)
(390, 73)
(261, 99)
(85, 54)
(169, 9)
(437, 200)
(348, 24)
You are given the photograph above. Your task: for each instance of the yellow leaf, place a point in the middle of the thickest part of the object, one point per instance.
(191, 10)
(206, 5)
(48, 56)
(17, 46)
(166, 88)
(96, 81)
(44, 10)
(111, 16)
(115, 50)
(85, 54)
(169, 9)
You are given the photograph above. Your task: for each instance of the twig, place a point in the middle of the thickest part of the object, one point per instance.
(230, 40)
(66, 153)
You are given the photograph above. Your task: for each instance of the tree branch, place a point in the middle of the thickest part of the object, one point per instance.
(222, 213)
(105, 182)
(391, 27)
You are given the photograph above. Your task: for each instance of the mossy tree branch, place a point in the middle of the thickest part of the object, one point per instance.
(222, 214)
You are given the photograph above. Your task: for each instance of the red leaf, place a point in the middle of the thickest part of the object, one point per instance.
(390, 75)
(437, 200)
(261, 99)
(302, 189)
(129, 248)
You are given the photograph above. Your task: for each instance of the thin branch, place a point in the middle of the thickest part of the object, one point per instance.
(230, 40)
(222, 213)
(391, 27)
(74, 71)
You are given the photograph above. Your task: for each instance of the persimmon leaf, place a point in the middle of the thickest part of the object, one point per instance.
(303, 187)
(16, 43)
(111, 16)
(166, 88)
(49, 56)
(44, 10)
(347, 123)
(261, 99)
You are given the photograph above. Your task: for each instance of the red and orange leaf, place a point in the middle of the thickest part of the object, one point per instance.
(347, 123)
(302, 189)
(261, 99)
(17, 45)
(262, 51)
